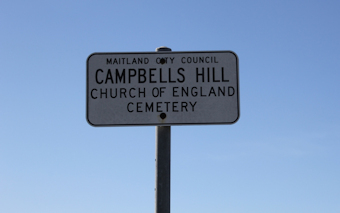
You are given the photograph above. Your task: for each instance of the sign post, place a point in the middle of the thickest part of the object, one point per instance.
(163, 164)
(161, 89)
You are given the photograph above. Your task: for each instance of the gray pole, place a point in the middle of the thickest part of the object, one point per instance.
(163, 147)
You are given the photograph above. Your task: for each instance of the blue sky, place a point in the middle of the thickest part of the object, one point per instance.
(281, 156)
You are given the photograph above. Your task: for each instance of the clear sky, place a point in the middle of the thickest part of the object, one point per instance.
(281, 156)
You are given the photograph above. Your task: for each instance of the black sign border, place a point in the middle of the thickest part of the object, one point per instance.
(161, 124)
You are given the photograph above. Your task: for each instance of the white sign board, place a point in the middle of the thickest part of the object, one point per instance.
(162, 88)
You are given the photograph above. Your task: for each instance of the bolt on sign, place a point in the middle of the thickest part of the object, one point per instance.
(162, 88)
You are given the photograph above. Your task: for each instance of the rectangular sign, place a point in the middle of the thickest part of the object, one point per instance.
(162, 88)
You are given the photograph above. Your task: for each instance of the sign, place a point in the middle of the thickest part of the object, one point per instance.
(162, 88)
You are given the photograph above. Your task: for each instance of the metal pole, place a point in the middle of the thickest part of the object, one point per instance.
(163, 155)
